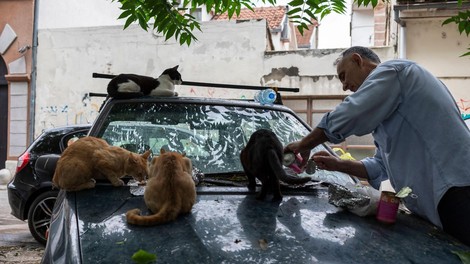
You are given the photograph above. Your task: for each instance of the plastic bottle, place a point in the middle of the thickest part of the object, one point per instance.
(266, 96)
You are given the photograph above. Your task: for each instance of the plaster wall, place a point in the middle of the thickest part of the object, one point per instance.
(78, 13)
(226, 52)
(16, 33)
(362, 23)
(19, 16)
(438, 48)
(334, 30)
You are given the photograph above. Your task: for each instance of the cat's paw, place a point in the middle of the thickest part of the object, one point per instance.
(261, 196)
(118, 183)
(133, 212)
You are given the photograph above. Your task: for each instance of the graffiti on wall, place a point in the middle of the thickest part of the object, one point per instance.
(464, 106)
(65, 114)
(214, 93)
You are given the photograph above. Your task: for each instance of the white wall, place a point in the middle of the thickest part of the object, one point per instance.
(362, 29)
(334, 30)
(227, 52)
(438, 48)
(78, 13)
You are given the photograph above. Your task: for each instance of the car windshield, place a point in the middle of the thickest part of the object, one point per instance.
(212, 136)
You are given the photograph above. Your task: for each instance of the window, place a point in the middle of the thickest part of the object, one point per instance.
(212, 136)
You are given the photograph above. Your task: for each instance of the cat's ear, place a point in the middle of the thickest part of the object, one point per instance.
(132, 158)
(146, 154)
(175, 68)
(162, 150)
(187, 165)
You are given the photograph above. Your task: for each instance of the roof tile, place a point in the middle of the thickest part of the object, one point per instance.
(274, 15)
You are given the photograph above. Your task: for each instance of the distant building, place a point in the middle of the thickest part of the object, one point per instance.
(283, 33)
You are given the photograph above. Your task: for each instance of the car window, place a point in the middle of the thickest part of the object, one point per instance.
(47, 143)
(54, 142)
(212, 136)
(72, 137)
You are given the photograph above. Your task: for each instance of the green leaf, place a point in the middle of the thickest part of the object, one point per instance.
(128, 5)
(125, 14)
(465, 54)
(198, 26)
(129, 21)
(143, 23)
(183, 38)
(463, 255)
(294, 11)
(170, 32)
(143, 257)
(230, 12)
(296, 2)
(461, 27)
(447, 21)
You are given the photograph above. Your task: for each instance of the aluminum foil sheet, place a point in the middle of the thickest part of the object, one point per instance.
(341, 196)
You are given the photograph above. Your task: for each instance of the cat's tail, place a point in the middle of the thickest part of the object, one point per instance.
(166, 214)
(275, 162)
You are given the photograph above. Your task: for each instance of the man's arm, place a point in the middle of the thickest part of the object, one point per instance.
(326, 161)
(303, 146)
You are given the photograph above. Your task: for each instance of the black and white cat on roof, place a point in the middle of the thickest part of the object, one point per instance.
(132, 85)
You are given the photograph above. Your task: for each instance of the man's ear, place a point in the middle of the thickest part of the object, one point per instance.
(357, 59)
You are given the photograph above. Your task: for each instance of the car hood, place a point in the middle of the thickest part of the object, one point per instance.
(229, 225)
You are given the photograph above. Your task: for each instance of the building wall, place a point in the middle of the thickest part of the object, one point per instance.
(227, 52)
(78, 13)
(334, 30)
(362, 27)
(438, 48)
(16, 33)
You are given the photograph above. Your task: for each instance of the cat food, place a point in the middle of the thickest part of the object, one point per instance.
(311, 167)
(388, 207)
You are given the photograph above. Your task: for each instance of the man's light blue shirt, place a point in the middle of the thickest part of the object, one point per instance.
(422, 141)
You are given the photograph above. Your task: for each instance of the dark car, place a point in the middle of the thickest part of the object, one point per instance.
(30, 192)
(227, 224)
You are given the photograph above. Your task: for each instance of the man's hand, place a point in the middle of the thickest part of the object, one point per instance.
(326, 161)
(296, 148)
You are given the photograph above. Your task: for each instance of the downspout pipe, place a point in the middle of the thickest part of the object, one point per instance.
(402, 34)
(32, 107)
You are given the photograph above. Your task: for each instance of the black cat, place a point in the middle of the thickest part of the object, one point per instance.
(262, 159)
(133, 85)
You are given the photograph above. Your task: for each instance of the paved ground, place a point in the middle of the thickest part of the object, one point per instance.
(16, 243)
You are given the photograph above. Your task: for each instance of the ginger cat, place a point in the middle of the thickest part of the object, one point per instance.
(170, 190)
(91, 158)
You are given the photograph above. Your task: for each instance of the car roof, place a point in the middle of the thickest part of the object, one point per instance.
(67, 128)
(199, 100)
